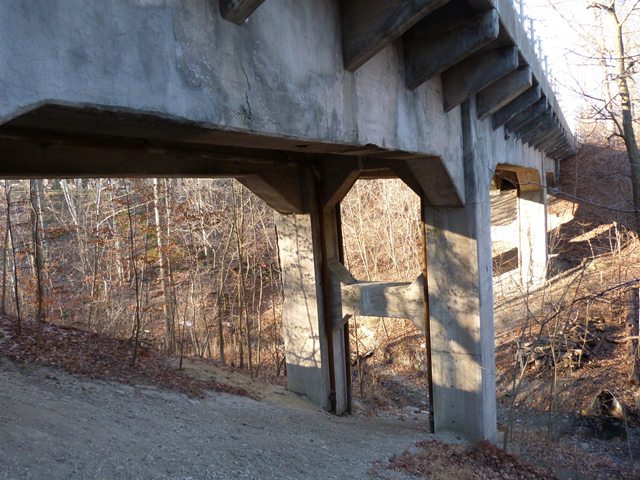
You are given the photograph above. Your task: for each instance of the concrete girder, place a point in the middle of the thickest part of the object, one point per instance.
(562, 144)
(562, 152)
(509, 111)
(503, 92)
(542, 143)
(532, 125)
(370, 25)
(476, 73)
(543, 132)
(527, 115)
(554, 140)
(66, 157)
(546, 122)
(554, 145)
(276, 183)
(237, 11)
(433, 46)
(551, 143)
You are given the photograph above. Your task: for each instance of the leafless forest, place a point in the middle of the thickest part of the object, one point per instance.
(189, 266)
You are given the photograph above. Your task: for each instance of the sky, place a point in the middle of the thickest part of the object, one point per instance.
(562, 42)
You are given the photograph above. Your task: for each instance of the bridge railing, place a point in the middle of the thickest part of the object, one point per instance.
(528, 24)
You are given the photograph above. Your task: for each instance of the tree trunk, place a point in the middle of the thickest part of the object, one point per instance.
(136, 325)
(167, 304)
(36, 226)
(628, 132)
(16, 288)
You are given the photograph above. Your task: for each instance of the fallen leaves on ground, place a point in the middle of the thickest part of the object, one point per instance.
(99, 357)
(438, 460)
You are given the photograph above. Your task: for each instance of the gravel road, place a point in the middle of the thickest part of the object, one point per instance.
(57, 426)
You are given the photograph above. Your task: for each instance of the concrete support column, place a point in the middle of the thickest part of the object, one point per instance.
(461, 303)
(533, 246)
(316, 353)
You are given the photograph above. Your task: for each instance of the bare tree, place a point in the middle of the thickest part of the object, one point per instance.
(619, 104)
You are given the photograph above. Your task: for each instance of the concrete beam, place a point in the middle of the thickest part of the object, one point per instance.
(552, 136)
(503, 92)
(529, 180)
(515, 107)
(527, 115)
(533, 124)
(546, 129)
(542, 124)
(370, 25)
(526, 179)
(66, 157)
(561, 145)
(237, 11)
(553, 142)
(561, 153)
(433, 46)
(386, 299)
(472, 75)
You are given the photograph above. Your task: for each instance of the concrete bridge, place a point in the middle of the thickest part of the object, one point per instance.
(298, 99)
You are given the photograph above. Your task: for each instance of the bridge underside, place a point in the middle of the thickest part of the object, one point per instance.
(305, 182)
(439, 93)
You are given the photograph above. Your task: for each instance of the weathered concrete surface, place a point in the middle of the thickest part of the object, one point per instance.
(183, 60)
(160, 87)
(433, 46)
(516, 106)
(504, 91)
(302, 327)
(316, 351)
(533, 245)
(380, 299)
(471, 76)
(461, 301)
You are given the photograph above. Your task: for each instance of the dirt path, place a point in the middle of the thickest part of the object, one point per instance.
(58, 426)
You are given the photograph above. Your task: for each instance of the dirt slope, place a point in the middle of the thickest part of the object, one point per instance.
(58, 426)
